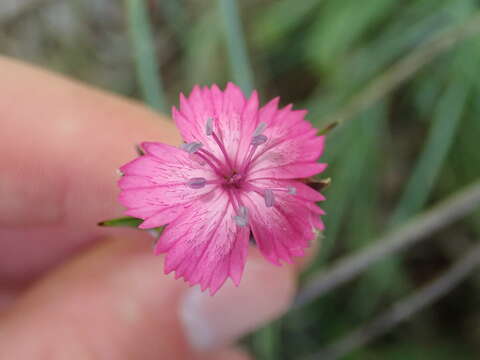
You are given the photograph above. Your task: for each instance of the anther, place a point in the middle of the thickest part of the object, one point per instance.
(209, 126)
(196, 183)
(242, 218)
(191, 147)
(259, 130)
(269, 197)
(292, 190)
(259, 140)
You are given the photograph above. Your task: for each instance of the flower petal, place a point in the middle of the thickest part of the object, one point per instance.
(284, 230)
(234, 119)
(292, 147)
(302, 190)
(290, 171)
(204, 245)
(154, 185)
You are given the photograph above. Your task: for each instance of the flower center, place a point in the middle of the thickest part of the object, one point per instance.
(235, 180)
(231, 178)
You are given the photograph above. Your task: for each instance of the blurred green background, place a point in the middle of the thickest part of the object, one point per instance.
(402, 76)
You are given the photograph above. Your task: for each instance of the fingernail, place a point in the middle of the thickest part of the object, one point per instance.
(265, 292)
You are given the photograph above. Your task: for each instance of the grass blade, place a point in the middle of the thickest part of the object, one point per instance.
(442, 133)
(237, 51)
(146, 65)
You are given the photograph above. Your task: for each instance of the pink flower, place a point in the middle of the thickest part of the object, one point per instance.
(238, 173)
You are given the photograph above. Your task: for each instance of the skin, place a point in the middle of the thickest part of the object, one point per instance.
(69, 289)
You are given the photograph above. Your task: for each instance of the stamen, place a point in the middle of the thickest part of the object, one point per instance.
(210, 156)
(269, 197)
(259, 130)
(264, 192)
(222, 148)
(259, 140)
(242, 218)
(209, 126)
(191, 147)
(210, 163)
(197, 183)
(209, 131)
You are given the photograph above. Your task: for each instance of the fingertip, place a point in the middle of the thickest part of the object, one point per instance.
(112, 301)
(64, 142)
(311, 252)
(266, 292)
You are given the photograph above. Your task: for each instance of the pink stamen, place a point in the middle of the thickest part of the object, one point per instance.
(257, 139)
(211, 156)
(209, 162)
(268, 194)
(222, 148)
(241, 219)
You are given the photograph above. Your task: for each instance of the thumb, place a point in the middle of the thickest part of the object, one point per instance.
(105, 304)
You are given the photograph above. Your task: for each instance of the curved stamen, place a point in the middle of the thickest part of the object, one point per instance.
(257, 139)
(268, 194)
(246, 163)
(209, 162)
(290, 190)
(211, 156)
(209, 131)
(222, 148)
(241, 219)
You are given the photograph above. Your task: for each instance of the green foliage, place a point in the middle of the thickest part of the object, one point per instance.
(237, 52)
(202, 61)
(145, 54)
(339, 25)
(129, 221)
(126, 221)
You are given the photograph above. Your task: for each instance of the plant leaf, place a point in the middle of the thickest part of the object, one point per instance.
(126, 221)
